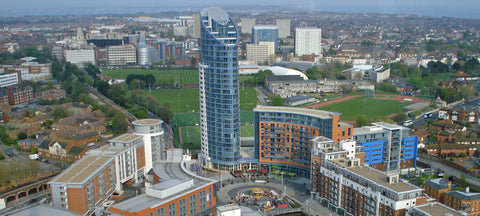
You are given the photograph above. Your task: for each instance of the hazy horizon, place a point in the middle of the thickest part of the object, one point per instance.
(434, 8)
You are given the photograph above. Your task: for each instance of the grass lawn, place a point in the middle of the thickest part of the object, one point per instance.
(245, 78)
(248, 98)
(180, 100)
(191, 134)
(370, 107)
(186, 100)
(441, 77)
(184, 75)
(247, 131)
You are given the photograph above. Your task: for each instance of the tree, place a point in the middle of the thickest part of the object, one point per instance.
(362, 121)
(22, 136)
(34, 150)
(59, 113)
(400, 117)
(276, 100)
(466, 92)
(119, 123)
(141, 114)
(462, 181)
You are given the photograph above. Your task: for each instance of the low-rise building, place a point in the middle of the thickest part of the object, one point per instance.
(10, 78)
(53, 94)
(433, 209)
(436, 188)
(464, 201)
(459, 115)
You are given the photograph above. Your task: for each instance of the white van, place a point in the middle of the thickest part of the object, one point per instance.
(407, 123)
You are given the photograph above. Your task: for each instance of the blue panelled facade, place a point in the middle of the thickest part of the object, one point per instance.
(219, 89)
(387, 146)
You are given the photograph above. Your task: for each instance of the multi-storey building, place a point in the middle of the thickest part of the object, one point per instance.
(283, 26)
(167, 49)
(29, 70)
(10, 78)
(463, 201)
(308, 41)
(340, 182)
(265, 33)
(257, 54)
(20, 95)
(196, 26)
(153, 138)
(121, 55)
(283, 136)
(146, 55)
(387, 147)
(247, 25)
(51, 94)
(219, 89)
(176, 193)
(89, 182)
(80, 57)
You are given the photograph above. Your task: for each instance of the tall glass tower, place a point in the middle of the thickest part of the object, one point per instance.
(219, 89)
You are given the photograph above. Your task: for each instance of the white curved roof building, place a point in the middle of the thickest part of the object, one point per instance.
(277, 70)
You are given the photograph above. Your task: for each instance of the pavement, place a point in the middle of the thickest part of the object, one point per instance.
(436, 164)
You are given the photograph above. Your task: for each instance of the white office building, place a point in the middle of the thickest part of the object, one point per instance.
(80, 57)
(308, 41)
(283, 26)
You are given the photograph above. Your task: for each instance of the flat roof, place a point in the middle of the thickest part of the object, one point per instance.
(368, 130)
(380, 178)
(437, 209)
(303, 111)
(147, 122)
(84, 168)
(41, 209)
(169, 173)
(228, 207)
(390, 126)
(125, 138)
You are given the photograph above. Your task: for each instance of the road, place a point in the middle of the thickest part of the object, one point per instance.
(450, 170)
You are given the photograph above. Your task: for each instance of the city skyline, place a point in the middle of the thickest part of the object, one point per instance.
(458, 9)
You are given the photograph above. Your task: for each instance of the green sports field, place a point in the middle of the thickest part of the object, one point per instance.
(246, 130)
(352, 109)
(180, 100)
(183, 75)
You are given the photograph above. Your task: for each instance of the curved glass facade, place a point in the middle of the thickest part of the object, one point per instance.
(219, 88)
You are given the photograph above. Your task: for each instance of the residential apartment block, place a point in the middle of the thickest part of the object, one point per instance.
(340, 182)
(29, 70)
(283, 26)
(89, 182)
(441, 190)
(387, 147)
(10, 78)
(176, 193)
(308, 41)
(283, 136)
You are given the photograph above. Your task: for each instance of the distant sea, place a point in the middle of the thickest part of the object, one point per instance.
(459, 11)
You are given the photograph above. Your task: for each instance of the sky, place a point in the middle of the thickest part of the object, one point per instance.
(436, 8)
